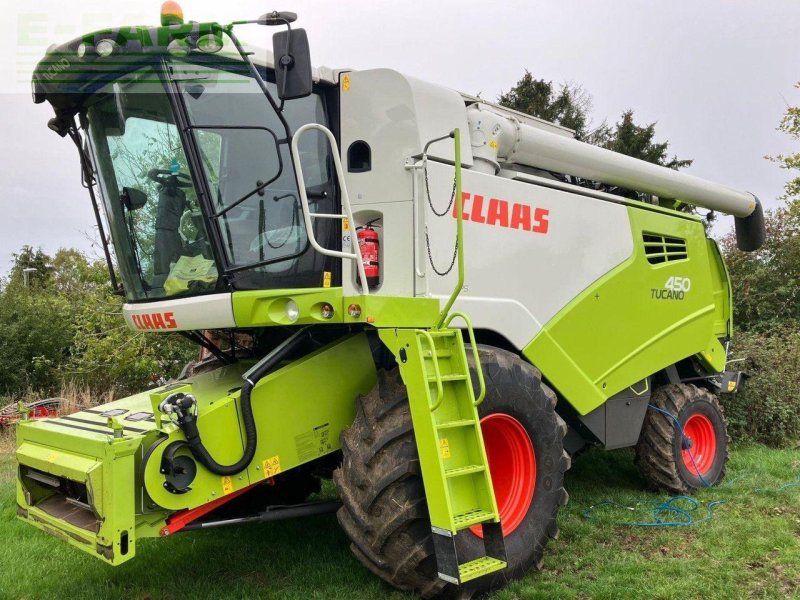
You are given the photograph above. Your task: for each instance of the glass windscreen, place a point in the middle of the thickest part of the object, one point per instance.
(150, 199)
(250, 174)
(159, 230)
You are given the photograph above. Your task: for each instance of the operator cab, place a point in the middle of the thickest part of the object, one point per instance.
(193, 159)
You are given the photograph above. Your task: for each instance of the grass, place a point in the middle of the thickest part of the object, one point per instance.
(750, 549)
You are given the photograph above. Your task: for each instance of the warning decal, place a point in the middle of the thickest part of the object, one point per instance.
(314, 443)
(227, 486)
(272, 466)
(444, 446)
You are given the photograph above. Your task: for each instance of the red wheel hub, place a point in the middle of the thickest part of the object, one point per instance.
(702, 444)
(512, 463)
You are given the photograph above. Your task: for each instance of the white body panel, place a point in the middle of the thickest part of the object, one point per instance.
(183, 314)
(396, 115)
(517, 280)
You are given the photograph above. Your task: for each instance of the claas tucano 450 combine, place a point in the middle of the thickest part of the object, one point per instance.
(431, 299)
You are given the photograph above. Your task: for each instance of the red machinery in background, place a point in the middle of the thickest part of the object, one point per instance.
(39, 409)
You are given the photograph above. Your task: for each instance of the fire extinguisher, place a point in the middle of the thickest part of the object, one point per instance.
(369, 244)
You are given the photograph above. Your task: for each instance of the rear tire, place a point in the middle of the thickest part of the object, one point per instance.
(661, 454)
(384, 509)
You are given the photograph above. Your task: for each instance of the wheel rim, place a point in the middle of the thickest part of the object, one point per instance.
(699, 430)
(512, 463)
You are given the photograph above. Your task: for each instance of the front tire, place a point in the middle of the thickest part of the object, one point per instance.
(668, 462)
(384, 509)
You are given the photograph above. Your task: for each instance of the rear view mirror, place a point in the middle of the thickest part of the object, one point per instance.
(132, 198)
(292, 64)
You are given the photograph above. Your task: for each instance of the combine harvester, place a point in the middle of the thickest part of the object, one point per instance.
(431, 299)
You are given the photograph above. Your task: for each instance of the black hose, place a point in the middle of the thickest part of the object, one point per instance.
(188, 423)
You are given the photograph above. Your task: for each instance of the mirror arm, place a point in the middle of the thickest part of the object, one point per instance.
(285, 62)
(260, 80)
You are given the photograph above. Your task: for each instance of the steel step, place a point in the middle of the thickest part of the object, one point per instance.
(471, 517)
(454, 424)
(479, 567)
(465, 470)
(448, 377)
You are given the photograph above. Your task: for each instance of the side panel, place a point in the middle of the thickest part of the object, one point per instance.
(723, 295)
(214, 311)
(637, 319)
(299, 410)
(396, 116)
(588, 289)
(529, 250)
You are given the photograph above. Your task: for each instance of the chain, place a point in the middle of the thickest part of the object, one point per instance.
(428, 191)
(438, 214)
(430, 256)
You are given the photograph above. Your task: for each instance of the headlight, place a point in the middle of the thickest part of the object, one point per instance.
(179, 47)
(105, 47)
(210, 43)
(292, 311)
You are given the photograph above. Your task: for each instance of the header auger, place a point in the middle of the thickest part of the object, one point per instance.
(431, 299)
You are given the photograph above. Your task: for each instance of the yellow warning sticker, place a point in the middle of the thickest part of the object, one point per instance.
(444, 447)
(326, 279)
(345, 225)
(731, 386)
(493, 145)
(52, 457)
(345, 83)
(227, 486)
(271, 466)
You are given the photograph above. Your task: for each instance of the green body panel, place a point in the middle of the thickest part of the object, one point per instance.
(108, 475)
(723, 293)
(264, 308)
(300, 411)
(625, 326)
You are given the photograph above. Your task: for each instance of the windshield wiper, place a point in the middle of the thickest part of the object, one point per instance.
(88, 181)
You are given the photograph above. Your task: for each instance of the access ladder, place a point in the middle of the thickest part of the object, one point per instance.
(455, 471)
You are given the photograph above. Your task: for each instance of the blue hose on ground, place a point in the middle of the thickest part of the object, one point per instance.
(669, 513)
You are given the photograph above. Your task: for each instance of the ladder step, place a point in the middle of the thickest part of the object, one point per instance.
(453, 424)
(479, 567)
(444, 333)
(472, 517)
(466, 470)
(449, 377)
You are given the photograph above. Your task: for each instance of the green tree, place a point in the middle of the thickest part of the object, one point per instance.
(626, 137)
(567, 104)
(35, 338)
(36, 262)
(68, 328)
(73, 273)
(570, 105)
(766, 293)
(766, 283)
(790, 125)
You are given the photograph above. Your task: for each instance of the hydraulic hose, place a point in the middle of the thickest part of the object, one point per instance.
(188, 422)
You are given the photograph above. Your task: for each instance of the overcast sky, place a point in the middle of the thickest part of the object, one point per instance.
(715, 74)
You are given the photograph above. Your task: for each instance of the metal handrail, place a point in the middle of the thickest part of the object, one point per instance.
(436, 372)
(348, 212)
(475, 356)
(459, 231)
